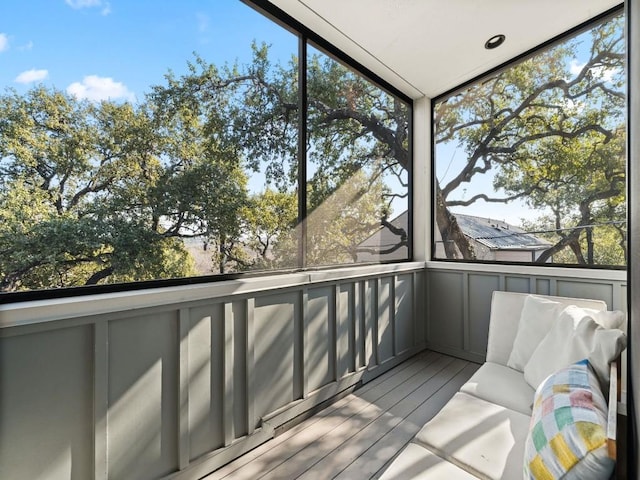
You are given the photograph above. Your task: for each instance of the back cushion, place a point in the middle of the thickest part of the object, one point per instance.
(506, 308)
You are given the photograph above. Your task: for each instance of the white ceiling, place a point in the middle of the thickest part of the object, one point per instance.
(426, 47)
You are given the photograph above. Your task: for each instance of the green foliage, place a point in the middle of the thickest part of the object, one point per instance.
(354, 129)
(270, 220)
(107, 192)
(100, 192)
(342, 221)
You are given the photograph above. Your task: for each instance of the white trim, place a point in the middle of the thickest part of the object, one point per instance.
(41, 311)
(532, 270)
(421, 172)
(340, 274)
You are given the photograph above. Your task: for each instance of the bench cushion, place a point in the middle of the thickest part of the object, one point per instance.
(417, 463)
(502, 385)
(481, 437)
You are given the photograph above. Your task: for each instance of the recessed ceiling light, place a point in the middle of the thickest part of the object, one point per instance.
(494, 42)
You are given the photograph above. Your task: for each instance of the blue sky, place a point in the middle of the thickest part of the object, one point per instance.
(117, 48)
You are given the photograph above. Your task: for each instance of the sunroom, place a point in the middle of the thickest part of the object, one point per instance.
(261, 239)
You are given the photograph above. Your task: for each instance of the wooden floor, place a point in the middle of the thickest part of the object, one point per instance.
(359, 435)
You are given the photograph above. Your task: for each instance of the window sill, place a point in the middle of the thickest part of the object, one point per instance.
(41, 311)
(527, 270)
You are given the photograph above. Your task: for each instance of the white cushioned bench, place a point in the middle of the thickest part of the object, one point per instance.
(482, 431)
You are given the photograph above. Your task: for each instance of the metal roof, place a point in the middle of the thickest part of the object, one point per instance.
(499, 235)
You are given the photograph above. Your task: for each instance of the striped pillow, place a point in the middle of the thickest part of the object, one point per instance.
(567, 436)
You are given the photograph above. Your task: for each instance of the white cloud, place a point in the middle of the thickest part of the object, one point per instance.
(83, 3)
(575, 68)
(77, 4)
(576, 106)
(600, 72)
(32, 76)
(96, 88)
(605, 74)
(4, 42)
(203, 22)
(26, 46)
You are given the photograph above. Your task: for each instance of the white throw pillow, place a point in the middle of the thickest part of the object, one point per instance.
(574, 336)
(608, 318)
(537, 317)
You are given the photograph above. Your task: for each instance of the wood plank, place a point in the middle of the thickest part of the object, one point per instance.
(359, 435)
(321, 442)
(355, 443)
(376, 459)
(370, 392)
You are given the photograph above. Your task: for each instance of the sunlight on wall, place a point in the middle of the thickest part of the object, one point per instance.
(61, 467)
(135, 423)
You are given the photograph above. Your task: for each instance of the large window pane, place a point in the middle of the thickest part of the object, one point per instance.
(357, 168)
(125, 157)
(164, 145)
(530, 162)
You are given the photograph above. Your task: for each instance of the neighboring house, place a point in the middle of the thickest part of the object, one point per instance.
(385, 241)
(491, 240)
(496, 240)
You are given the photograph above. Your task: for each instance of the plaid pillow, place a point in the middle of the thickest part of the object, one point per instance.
(567, 437)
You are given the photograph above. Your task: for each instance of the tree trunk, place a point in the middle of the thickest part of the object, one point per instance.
(564, 242)
(577, 251)
(590, 246)
(100, 275)
(223, 255)
(453, 239)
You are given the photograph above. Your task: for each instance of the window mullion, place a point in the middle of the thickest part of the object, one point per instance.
(302, 150)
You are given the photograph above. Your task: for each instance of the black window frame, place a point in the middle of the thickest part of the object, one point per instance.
(572, 32)
(306, 37)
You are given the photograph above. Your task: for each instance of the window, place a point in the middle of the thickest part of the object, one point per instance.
(357, 167)
(530, 161)
(126, 158)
